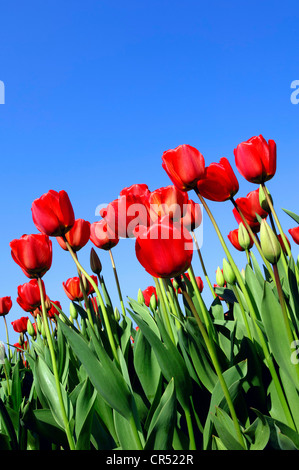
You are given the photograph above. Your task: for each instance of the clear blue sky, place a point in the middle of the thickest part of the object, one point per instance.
(95, 91)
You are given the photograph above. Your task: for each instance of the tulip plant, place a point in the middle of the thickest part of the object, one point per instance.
(164, 371)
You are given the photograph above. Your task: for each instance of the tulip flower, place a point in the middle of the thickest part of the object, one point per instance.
(102, 236)
(256, 159)
(20, 325)
(169, 201)
(193, 216)
(269, 243)
(234, 238)
(140, 191)
(147, 294)
(53, 213)
(164, 249)
(95, 262)
(250, 206)
(33, 253)
(21, 347)
(184, 165)
(294, 232)
(72, 289)
(52, 312)
(219, 182)
(5, 305)
(198, 280)
(77, 236)
(29, 295)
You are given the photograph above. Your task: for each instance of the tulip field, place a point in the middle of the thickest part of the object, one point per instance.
(164, 371)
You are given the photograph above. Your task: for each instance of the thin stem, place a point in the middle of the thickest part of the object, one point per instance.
(235, 290)
(7, 338)
(55, 369)
(192, 444)
(164, 309)
(83, 290)
(203, 265)
(117, 283)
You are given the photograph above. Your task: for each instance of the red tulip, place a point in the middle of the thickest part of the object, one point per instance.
(184, 165)
(147, 294)
(5, 305)
(219, 182)
(140, 191)
(52, 312)
(77, 237)
(33, 253)
(29, 295)
(53, 213)
(193, 216)
(256, 159)
(233, 237)
(294, 232)
(164, 249)
(250, 206)
(90, 289)
(198, 280)
(21, 347)
(72, 289)
(20, 325)
(102, 236)
(169, 201)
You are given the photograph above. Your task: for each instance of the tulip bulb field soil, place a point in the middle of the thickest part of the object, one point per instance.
(164, 371)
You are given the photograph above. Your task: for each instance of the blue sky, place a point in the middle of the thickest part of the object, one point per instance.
(95, 91)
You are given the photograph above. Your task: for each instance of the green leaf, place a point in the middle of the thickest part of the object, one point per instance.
(160, 433)
(258, 432)
(84, 415)
(292, 215)
(125, 433)
(225, 430)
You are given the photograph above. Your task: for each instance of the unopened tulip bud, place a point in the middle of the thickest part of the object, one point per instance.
(153, 303)
(140, 297)
(95, 263)
(244, 237)
(243, 273)
(73, 311)
(48, 304)
(263, 200)
(228, 273)
(116, 314)
(269, 243)
(38, 324)
(30, 329)
(43, 330)
(21, 339)
(219, 277)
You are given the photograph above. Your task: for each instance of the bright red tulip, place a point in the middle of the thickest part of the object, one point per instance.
(169, 201)
(198, 280)
(72, 289)
(29, 295)
(234, 239)
(5, 305)
(20, 325)
(52, 312)
(219, 182)
(164, 249)
(102, 236)
(256, 159)
(138, 190)
(33, 253)
(21, 347)
(77, 237)
(184, 165)
(147, 294)
(90, 289)
(250, 206)
(193, 216)
(53, 213)
(294, 232)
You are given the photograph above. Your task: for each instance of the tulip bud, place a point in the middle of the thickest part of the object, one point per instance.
(140, 297)
(30, 329)
(43, 330)
(116, 314)
(228, 273)
(48, 304)
(269, 243)
(153, 303)
(263, 200)
(243, 273)
(71, 319)
(38, 323)
(219, 277)
(175, 284)
(243, 237)
(95, 263)
(21, 339)
(73, 311)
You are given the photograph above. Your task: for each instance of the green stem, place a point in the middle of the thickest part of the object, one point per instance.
(161, 294)
(55, 369)
(117, 284)
(203, 265)
(83, 290)
(7, 339)
(102, 305)
(192, 444)
(235, 290)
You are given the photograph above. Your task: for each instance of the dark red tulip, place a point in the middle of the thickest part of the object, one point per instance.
(294, 232)
(29, 297)
(52, 312)
(256, 159)
(5, 305)
(250, 206)
(233, 237)
(147, 294)
(33, 253)
(219, 182)
(77, 237)
(72, 289)
(164, 249)
(193, 216)
(102, 236)
(184, 165)
(53, 213)
(20, 325)
(169, 201)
